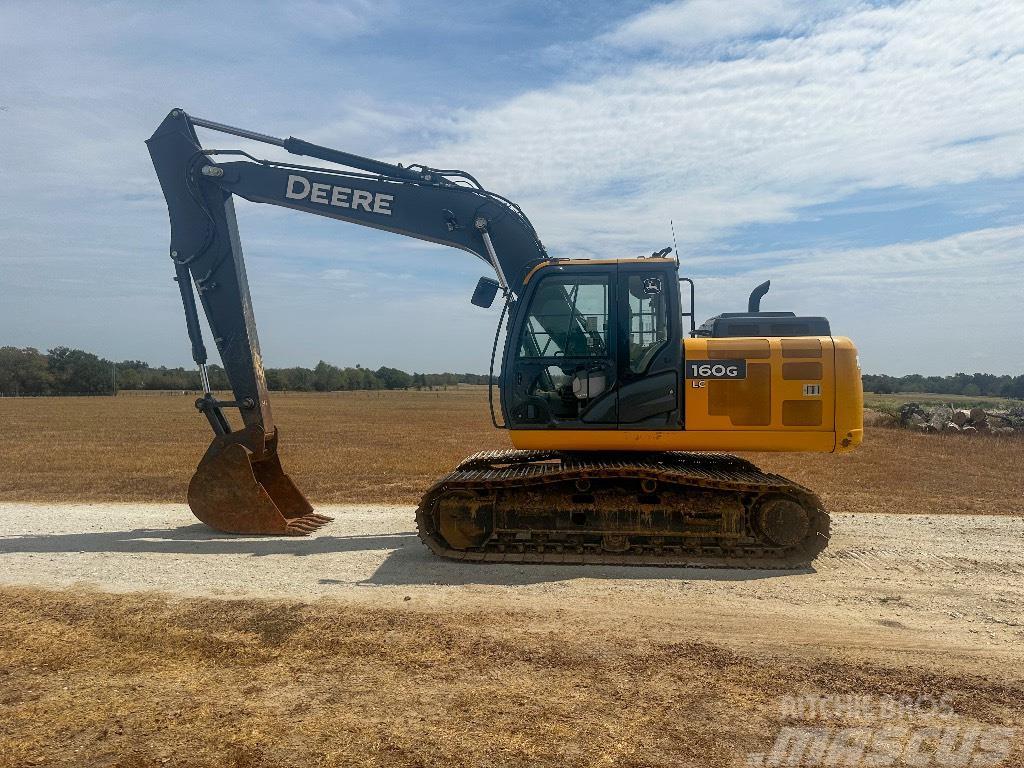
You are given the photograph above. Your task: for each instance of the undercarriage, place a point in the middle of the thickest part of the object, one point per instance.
(671, 508)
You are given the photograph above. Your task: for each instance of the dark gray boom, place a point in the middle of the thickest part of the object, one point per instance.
(442, 206)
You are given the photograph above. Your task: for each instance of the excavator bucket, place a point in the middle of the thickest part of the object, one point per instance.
(240, 487)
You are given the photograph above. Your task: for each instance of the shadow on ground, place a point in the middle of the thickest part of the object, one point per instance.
(406, 562)
(415, 565)
(197, 539)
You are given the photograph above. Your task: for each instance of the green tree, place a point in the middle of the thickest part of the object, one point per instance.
(393, 378)
(24, 371)
(301, 379)
(74, 370)
(276, 380)
(326, 377)
(130, 378)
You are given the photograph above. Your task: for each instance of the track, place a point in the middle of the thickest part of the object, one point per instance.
(671, 508)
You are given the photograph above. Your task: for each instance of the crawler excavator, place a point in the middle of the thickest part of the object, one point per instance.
(622, 412)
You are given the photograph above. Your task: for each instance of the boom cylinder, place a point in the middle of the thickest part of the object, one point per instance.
(308, 149)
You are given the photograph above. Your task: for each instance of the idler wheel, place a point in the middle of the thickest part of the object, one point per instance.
(783, 521)
(615, 543)
(463, 519)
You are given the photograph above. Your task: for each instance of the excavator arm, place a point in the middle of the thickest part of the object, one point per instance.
(239, 486)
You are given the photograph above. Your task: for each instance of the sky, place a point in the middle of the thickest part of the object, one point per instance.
(867, 157)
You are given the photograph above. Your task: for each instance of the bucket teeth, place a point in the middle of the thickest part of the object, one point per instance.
(303, 526)
(240, 487)
(320, 519)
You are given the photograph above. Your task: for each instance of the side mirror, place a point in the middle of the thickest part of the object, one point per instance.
(486, 290)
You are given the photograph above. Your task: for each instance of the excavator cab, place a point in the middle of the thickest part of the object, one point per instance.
(595, 345)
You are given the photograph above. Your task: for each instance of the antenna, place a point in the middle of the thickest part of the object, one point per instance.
(692, 314)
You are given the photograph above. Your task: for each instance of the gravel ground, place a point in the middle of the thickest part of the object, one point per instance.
(381, 654)
(887, 582)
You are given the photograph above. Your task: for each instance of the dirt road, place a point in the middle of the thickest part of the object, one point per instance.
(887, 584)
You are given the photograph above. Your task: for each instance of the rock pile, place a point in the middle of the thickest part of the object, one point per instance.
(946, 418)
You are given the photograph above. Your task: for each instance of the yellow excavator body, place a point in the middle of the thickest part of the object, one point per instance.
(800, 394)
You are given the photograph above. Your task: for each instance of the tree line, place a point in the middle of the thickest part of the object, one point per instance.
(63, 371)
(972, 384)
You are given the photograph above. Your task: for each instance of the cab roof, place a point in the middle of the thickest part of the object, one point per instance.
(595, 262)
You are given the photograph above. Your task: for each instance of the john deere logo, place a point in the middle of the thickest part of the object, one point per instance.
(301, 188)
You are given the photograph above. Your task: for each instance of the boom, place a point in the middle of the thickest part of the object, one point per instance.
(442, 206)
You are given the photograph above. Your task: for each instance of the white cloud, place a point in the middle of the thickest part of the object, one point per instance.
(336, 21)
(879, 97)
(696, 22)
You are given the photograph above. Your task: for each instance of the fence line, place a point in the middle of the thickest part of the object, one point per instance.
(57, 394)
(226, 393)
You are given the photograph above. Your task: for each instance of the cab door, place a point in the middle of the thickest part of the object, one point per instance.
(650, 347)
(560, 367)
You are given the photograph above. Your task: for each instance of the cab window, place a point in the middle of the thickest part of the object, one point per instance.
(648, 319)
(568, 317)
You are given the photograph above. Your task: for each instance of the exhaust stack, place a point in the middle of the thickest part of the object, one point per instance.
(754, 302)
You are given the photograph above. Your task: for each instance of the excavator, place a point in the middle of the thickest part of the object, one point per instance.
(622, 412)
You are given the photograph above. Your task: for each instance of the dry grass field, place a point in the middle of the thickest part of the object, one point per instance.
(387, 447)
(346, 446)
(91, 679)
(875, 400)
